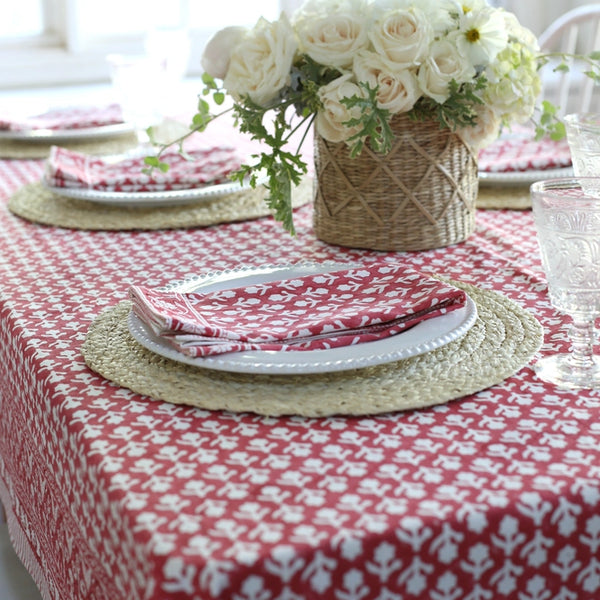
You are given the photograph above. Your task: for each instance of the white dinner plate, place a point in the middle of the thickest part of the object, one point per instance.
(522, 177)
(51, 136)
(423, 337)
(145, 199)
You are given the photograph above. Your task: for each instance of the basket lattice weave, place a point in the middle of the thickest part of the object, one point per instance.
(420, 195)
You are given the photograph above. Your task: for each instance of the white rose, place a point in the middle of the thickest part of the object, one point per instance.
(398, 90)
(333, 38)
(312, 9)
(217, 52)
(330, 118)
(442, 15)
(260, 63)
(485, 131)
(443, 65)
(402, 36)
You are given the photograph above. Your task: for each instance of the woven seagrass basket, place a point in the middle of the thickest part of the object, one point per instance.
(420, 195)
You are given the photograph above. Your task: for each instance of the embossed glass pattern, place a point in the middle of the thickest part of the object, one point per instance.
(567, 220)
(583, 135)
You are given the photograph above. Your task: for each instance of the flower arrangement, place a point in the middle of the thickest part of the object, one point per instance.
(349, 66)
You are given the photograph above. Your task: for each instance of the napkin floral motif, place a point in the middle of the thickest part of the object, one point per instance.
(70, 169)
(76, 117)
(518, 150)
(313, 312)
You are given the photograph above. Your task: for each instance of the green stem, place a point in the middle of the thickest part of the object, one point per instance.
(186, 135)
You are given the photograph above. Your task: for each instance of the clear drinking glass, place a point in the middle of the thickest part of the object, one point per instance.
(567, 220)
(139, 83)
(583, 136)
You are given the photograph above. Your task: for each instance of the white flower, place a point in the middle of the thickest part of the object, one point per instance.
(312, 9)
(467, 6)
(518, 33)
(398, 90)
(442, 15)
(444, 64)
(330, 118)
(485, 131)
(481, 36)
(260, 63)
(514, 83)
(401, 35)
(217, 52)
(332, 37)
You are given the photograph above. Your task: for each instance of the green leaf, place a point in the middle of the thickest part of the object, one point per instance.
(154, 162)
(372, 124)
(151, 161)
(549, 108)
(559, 132)
(209, 81)
(219, 98)
(203, 107)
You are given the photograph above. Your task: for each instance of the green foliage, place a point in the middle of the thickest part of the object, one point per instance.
(283, 168)
(154, 162)
(459, 108)
(549, 124)
(372, 124)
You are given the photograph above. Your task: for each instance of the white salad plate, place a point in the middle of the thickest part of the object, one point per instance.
(61, 135)
(423, 337)
(522, 177)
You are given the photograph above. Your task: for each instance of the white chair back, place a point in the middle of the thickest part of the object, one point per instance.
(575, 32)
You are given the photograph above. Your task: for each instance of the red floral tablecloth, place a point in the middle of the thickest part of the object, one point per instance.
(114, 496)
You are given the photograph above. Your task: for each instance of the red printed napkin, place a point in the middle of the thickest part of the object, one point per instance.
(70, 169)
(314, 312)
(79, 117)
(517, 150)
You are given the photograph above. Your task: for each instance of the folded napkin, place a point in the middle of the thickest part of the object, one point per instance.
(70, 169)
(313, 312)
(517, 150)
(77, 117)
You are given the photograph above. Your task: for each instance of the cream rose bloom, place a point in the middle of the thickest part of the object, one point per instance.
(217, 52)
(443, 65)
(330, 118)
(260, 63)
(485, 131)
(440, 14)
(402, 36)
(332, 37)
(398, 90)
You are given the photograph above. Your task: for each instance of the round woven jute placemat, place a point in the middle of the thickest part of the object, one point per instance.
(504, 338)
(35, 203)
(24, 149)
(515, 197)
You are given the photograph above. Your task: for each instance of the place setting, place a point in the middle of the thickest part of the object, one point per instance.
(93, 129)
(311, 339)
(120, 192)
(510, 164)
